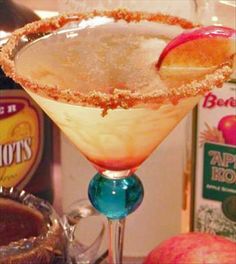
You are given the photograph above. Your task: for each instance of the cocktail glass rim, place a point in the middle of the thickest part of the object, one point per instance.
(120, 98)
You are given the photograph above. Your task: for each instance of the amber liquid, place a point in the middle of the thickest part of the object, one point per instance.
(18, 221)
(41, 182)
(20, 225)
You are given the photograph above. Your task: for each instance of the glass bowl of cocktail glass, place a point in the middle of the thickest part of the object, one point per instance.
(96, 75)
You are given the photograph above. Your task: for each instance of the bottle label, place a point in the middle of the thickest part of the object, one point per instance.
(215, 173)
(219, 171)
(21, 140)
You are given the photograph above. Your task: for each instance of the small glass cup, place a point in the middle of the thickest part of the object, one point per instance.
(48, 239)
(48, 245)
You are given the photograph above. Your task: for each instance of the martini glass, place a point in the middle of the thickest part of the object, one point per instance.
(94, 74)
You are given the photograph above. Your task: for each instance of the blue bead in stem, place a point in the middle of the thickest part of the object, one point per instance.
(115, 198)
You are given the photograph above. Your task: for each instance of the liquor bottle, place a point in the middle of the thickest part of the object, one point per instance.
(214, 170)
(210, 167)
(25, 131)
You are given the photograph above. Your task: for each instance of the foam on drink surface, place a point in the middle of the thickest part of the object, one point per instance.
(99, 54)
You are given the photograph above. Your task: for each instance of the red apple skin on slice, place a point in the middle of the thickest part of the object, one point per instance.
(206, 46)
(194, 248)
(195, 53)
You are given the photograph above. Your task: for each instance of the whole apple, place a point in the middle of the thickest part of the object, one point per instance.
(194, 248)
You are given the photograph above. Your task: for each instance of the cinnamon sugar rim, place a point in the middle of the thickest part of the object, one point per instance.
(119, 98)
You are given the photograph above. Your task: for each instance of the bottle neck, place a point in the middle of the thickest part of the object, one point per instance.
(5, 2)
(14, 15)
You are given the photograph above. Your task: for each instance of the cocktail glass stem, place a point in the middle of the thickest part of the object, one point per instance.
(116, 198)
(116, 240)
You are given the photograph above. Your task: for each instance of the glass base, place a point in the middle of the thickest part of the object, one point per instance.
(115, 198)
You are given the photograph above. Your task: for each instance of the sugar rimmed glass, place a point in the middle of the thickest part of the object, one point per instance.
(115, 129)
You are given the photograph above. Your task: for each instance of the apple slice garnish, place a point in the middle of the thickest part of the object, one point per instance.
(195, 53)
